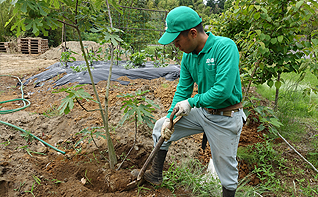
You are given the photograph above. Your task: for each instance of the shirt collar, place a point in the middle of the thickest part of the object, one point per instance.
(207, 45)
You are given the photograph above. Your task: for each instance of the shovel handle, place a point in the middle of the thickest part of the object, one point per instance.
(158, 145)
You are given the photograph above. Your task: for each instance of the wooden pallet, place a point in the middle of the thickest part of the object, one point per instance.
(32, 45)
(4, 47)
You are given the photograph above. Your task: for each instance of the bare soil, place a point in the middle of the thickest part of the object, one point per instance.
(84, 169)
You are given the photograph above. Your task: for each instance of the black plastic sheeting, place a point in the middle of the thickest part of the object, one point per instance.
(101, 70)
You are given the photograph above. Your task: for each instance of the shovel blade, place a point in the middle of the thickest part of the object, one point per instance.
(134, 184)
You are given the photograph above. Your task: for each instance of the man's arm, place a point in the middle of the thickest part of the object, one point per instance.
(184, 88)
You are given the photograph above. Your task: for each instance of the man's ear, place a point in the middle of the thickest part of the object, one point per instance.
(193, 32)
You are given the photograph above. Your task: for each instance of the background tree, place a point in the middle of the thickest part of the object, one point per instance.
(216, 5)
(5, 15)
(268, 34)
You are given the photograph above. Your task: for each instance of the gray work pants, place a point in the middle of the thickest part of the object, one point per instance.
(223, 134)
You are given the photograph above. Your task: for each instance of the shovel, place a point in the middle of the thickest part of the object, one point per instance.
(140, 176)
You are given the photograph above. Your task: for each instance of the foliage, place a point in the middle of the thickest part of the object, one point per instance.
(173, 53)
(138, 108)
(267, 159)
(90, 133)
(66, 57)
(161, 59)
(31, 190)
(268, 37)
(265, 115)
(27, 136)
(191, 176)
(68, 102)
(79, 68)
(216, 5)
(138, 58)
(80, 15)
(137, 25)
(266, 162)
(29, 151)
(5, 15)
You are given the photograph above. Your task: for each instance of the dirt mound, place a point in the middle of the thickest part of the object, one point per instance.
(83, 170)
(55, 53)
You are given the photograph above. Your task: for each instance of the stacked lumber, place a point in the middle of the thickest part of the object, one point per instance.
(4, 47)
(32, 45)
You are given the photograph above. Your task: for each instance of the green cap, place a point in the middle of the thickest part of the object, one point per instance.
(179, 19)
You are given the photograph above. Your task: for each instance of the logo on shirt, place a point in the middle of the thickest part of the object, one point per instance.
(210, 61)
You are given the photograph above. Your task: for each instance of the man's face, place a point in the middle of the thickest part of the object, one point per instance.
(185, 43)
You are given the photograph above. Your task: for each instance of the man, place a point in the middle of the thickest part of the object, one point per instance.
(212, 62)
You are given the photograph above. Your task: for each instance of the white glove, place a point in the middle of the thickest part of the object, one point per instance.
(184, 108)
(165, 131)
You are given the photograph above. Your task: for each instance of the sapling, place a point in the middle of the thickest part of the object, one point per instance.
(66, 57)
(90, 133)
(79, 17)
(137, 108)
(74, 94)
(137, 59)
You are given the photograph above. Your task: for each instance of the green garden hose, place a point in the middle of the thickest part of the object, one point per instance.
(26, 104)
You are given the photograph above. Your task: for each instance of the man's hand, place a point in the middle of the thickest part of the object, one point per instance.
(165, 131)
(184, 108)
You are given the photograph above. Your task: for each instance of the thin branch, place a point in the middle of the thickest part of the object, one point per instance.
(136, 129)
(68, 19)
(74, 26)
(85, 108)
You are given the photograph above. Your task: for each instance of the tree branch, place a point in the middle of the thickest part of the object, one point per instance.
(74, 26)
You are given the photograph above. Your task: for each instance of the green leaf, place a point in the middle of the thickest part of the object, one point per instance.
(273, 40)
(315, 41)
(96, 30)
(29, 25)
(262, 36)
(280, 38)
(35, 29)
(24, 7)
(270, 83)
(257, 7)
(258, 32)
(9, 20)
(257, 15)
(56, 4)
(267, 37)
(264, 10)
(114, 4)
(299, 45)
(275, 122)
(299, 3)
(278, 84)
(42, 12)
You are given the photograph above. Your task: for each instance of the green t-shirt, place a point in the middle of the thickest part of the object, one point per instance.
(216, 72)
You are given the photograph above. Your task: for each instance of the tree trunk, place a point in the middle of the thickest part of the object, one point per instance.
(277, 93)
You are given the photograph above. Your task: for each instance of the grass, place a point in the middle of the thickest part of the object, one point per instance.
(191, 176)
(299, 114)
